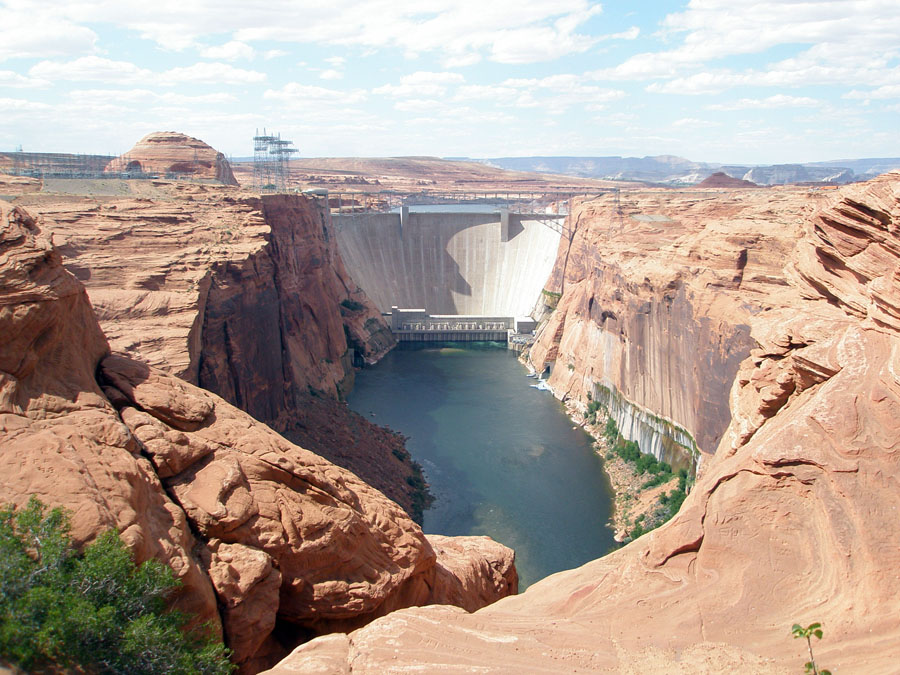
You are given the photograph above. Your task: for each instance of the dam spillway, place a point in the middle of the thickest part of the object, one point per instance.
(449, 263)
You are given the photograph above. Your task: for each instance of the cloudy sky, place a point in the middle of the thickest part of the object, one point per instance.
(764, 81)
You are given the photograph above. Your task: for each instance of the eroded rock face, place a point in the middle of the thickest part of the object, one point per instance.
(793, 520)
(295, 283)
(271, 510)
(60, 439)
(261, 532)
(169, 152)
(657, 302)
(246, 297)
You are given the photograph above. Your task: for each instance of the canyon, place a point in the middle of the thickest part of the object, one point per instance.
(749, 334)
(788, 306)
(271, 542)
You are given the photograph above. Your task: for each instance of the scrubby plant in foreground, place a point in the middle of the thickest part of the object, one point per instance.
(813, 629)
(93, 611)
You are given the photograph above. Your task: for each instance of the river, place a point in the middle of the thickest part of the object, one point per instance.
(502, 457)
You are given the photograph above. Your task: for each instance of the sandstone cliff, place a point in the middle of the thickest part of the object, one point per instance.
(656, 305)
(272, 542)
(793, 520)
(169, 152)
(244, 296)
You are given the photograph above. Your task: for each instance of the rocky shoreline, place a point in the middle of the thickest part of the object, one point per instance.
(631, 501)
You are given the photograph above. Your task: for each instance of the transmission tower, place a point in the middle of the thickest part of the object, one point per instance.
(271, 158)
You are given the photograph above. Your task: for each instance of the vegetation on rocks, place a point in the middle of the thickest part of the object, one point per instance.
(352, 305)
(93, 611)
(641, 463)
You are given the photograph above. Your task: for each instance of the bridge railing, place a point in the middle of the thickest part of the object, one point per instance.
(386, 201)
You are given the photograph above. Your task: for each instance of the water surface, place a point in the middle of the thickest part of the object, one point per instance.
(501, 457)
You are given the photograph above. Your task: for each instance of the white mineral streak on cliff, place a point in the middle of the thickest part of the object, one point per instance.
(657, 304)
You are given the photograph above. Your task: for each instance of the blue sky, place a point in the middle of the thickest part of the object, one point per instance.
(765, 81)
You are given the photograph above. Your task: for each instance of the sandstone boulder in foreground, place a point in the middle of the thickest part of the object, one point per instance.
(264, 535)
(793, 521)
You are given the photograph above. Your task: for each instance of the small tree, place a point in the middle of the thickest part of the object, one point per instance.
(95, 611)
(801, 632)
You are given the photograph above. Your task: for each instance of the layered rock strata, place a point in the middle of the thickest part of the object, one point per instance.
(792, 521)
(271, 542)
(169, 152)
(656, 297)
(244, 296)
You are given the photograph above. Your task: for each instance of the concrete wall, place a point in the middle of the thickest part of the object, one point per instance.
(448, 263)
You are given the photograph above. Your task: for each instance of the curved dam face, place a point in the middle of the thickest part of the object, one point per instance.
(449, 263)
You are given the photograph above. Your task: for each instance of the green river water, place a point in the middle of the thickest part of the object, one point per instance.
(502, 457)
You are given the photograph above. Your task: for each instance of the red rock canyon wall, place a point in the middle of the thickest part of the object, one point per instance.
(792, 521)
(267, 537)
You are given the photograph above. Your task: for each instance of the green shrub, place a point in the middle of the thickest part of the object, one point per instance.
(611, 431)
(682, 479)
(352, 305)
(676, 499)
(94, 612)
(658, 479)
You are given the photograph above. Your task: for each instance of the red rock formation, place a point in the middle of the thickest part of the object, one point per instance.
(793, 520)
(165, 152)
(267, 531)
(60, 439)
(246, 297)
(720, 179)
(657, 304)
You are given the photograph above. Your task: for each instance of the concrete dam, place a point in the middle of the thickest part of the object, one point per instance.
(472, 270)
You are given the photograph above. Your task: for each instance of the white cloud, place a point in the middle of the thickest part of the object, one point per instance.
(36, 30)
(212, 73)
(274, 54)
(295, 93)
(419, 105)
(538, 43)
(848, 43)
(89, 68)
(486, 92)
(555, 94)
(21, 105)
(508, 31)
(775, 101)
(694, 123)
(887, 91)
(630, 34)
(331, 74)
(336, 61)
(99, 69)
(421, 84)
(141, 96)
(230, 51)
(9, 78)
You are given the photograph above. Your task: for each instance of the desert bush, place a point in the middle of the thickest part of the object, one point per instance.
(93, 611)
